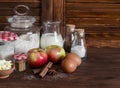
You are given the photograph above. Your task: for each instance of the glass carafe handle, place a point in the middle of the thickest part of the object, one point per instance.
(22, 7)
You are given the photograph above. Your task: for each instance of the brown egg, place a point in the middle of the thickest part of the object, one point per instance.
(68, 65)
(74, 57)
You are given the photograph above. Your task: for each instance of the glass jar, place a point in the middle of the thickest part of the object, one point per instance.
(20, 61)
(79, 45)
(51, 34)
(23, 25)
(69, 37)
(7, 44)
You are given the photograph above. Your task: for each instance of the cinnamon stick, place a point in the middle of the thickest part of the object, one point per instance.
(45, 70)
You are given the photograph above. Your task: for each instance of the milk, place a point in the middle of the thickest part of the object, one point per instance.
(48, 39)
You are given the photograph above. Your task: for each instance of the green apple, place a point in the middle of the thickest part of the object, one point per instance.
(55, 53)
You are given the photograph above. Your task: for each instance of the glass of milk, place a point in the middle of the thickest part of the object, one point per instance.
(51, 34)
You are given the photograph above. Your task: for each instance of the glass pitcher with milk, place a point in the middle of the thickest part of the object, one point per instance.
(51, 34)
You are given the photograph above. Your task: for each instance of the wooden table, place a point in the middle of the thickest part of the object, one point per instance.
(100, 70)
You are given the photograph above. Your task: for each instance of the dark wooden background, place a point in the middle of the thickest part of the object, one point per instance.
(99, 18)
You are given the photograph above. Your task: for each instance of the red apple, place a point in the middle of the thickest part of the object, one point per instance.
(55, 53)
(37, 57)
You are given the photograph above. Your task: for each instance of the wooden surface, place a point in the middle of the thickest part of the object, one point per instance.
(100, 70)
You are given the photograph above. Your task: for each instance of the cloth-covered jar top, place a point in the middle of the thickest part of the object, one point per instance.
(20, 56)
(7, 36)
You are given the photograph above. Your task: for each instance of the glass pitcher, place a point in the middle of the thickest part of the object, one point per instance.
(51, 34)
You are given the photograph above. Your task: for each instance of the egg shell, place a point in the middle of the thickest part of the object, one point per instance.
(68, 65)
(74, 57)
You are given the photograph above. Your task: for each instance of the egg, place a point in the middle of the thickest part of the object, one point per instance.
(68, 65)
(74, 57)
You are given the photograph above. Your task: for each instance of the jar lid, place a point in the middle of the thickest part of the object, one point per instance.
(20, 19)
(71, 27)
(7, 36)
(20, 56)
(80, 31)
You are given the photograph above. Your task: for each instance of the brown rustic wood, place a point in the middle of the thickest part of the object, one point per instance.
(90, 6)
(93, 14)
(20, 1)
(94, 22)
(47, 10)
(11, 5)
(101, 69)
(99, 18)
(53, 10)
(58, 13)
(100, 1)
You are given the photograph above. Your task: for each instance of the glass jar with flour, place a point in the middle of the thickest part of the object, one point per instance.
(7, 44)
(79, 44)
(23, 26)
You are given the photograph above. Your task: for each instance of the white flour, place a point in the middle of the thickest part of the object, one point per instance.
(6, 50)
(79, 50)
(25, 42)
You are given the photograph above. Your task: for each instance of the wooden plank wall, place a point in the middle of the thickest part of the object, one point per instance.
(53, 10)
(6, 9)
(100, 19)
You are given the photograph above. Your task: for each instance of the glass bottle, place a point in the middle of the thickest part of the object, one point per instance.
(69, 36)
(51, 34)
(79, 45)
(23, 26)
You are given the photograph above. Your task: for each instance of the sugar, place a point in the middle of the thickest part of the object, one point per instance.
(79, 50)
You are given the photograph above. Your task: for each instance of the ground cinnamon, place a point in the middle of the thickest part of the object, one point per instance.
(36, 71)
(45, 70)
(52, 72)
